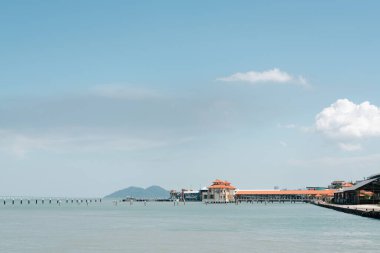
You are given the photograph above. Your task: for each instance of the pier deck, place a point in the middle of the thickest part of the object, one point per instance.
(370, 211)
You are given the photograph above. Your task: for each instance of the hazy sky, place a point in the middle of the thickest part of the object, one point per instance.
(100, 95)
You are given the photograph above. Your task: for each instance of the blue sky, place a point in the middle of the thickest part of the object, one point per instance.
(100, 95)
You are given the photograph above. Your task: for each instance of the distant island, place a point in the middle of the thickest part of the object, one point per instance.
(152, 192)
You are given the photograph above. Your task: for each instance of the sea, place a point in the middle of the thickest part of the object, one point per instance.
(191, 227)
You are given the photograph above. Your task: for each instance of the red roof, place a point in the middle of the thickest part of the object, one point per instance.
(221, 187)
(347, 185)
(220, 184)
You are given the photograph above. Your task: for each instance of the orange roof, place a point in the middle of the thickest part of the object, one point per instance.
(220, 184)
(347, 185)
(288, 192)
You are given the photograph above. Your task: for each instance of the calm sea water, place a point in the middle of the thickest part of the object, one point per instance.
(195, 227)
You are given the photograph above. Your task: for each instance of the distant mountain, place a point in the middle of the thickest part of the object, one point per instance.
(152, 192)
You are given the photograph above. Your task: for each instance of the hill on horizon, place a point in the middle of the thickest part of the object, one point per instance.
(152, 192)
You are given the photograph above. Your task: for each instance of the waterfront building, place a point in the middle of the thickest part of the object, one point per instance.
(174, 195)
(339, 184)
(347, 184)
(191, 195)
(185, 195)
(362, 192)
(203, 193)
(219, 192)
(283, 195)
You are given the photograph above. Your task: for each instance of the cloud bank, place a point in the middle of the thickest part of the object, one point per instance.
(126, 92)
(347, 120)
(273, 76)
(82, 140)
(349, 123)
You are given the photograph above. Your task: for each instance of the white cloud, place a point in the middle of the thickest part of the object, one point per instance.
(297, 127)
(274, 76)
(349, 123)
(350, 146)
(287, 126)
(126, 92)
(347, 120)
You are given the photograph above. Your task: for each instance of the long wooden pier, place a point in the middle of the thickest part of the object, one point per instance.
(25, 200)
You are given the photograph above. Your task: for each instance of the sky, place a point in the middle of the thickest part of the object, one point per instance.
(96, 96)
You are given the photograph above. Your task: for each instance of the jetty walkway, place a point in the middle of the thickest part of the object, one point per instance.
(25, 200)
(370, 211)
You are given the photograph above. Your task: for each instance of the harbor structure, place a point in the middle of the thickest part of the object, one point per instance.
(339, 184)
(29, 200)
(362, 192)
(219, 192)
(370, 211)
(283, 195)
(174, 195)
(203, 192)
(186, 195)
(191, 195)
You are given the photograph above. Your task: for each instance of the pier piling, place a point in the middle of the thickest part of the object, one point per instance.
(26, 200)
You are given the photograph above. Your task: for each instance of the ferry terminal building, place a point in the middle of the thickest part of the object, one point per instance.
(223, 192)
(339, 192)
(363, 192)
(219, 192)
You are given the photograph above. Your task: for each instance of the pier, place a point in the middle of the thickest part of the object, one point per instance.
(281, 196)
(26, 200)
(370, 211)
(274, 200)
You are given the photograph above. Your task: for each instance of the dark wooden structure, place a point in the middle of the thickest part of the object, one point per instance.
(363, 192)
